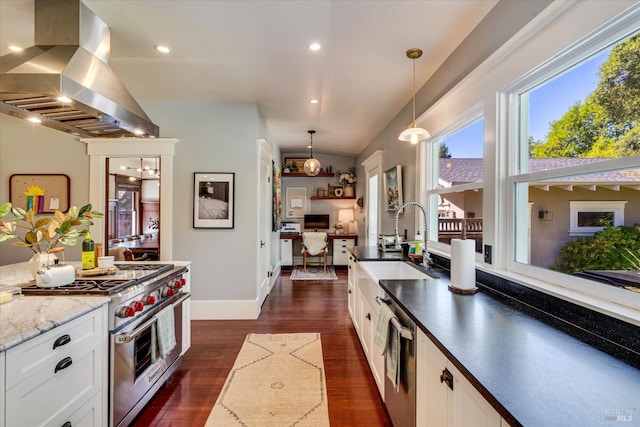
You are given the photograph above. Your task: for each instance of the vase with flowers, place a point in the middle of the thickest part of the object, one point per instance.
(348, 180)
(42, 234)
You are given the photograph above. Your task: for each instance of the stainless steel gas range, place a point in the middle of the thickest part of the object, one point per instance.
(140, 295)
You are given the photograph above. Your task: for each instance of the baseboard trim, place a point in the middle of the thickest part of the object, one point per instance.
(224, 310)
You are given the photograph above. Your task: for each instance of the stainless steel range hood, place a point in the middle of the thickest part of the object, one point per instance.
(70, 59)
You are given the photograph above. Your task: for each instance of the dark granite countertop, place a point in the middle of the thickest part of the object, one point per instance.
(532, 373)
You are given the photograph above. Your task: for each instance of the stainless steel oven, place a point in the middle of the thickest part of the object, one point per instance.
(136, 378)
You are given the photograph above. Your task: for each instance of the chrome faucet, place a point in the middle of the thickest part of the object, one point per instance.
(426, 258)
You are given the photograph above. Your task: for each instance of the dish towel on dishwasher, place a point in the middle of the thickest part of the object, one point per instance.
(388, 338)
(163, 335)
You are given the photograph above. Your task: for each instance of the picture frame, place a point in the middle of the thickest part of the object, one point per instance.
(295, 164)
(213, 199)
(393, 188)
(332, 187)
(53, 192)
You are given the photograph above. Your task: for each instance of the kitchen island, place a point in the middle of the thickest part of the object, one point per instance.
(529, 371)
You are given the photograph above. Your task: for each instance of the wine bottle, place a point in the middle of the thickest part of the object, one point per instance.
(88, 253)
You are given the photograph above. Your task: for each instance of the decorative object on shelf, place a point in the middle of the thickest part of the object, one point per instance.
(393, 188)
(414, 134)
(332, 187)
(320, 192)
(311, 165)
(294, 164)
(338, 191)
(44, 233)
(213, 199)
(348, 179)
(345, 216)
(44, 193)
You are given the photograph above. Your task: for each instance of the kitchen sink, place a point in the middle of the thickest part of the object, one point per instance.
(387, 270)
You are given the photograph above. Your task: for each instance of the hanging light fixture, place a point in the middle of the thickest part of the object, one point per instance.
(414, 134)
(311, 166)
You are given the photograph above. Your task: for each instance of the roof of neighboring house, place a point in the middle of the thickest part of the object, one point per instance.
(455, 171)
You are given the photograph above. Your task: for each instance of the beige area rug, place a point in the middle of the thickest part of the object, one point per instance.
(277, 380)
(314, 273)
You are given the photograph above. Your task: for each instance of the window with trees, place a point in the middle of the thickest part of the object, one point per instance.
(579, 146)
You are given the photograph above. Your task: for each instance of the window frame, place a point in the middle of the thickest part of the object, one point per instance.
(518, 176)
(578, 206)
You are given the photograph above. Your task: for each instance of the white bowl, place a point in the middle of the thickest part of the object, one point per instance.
(105, 261)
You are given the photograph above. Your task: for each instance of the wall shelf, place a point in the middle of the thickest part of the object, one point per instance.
(332, 198)
(304, 175)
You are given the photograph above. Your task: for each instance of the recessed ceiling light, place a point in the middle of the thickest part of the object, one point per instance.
(314, 101)
(64, 99)
(162, 49)
(315, 46)
(34, 120)
(15, 48)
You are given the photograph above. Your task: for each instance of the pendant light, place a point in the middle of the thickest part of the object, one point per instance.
(414, 134)
(311, 166)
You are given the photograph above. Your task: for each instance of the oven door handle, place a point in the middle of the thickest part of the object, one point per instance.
(405, 333)
(127, 338)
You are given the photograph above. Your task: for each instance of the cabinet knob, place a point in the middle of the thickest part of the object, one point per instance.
(349, 291)
(67, 424)
(368, 316)
(447, 378)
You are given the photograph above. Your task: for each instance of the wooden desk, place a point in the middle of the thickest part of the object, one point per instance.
(338, 253)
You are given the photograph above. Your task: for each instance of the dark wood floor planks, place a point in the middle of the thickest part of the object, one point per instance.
(292, 306)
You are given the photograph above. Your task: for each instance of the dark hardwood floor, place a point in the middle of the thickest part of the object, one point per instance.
(300, 306)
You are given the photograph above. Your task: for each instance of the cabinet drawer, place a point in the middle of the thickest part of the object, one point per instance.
(38, 356)
(50, 398)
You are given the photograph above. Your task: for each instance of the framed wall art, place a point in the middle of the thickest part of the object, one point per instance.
(295, 164)
(393, 188)
(44, 193)
(213, 199)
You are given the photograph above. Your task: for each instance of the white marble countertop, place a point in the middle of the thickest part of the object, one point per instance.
(26, 317)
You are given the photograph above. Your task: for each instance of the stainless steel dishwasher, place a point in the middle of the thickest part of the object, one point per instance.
(401, 404)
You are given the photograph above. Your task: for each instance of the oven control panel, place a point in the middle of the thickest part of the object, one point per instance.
(152, 295)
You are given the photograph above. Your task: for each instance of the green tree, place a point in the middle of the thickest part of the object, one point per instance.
(605, 123)
(444, 151)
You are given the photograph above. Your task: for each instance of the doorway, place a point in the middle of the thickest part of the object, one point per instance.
(133, 214)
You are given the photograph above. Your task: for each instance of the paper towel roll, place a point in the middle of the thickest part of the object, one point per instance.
(463, 265)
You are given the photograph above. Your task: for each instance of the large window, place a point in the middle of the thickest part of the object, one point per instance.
(574, 172)
(459, 184)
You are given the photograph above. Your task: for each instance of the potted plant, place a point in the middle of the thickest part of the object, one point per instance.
(42, 234)
(348, 179)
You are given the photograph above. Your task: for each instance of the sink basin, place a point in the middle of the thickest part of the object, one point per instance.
(386, 270)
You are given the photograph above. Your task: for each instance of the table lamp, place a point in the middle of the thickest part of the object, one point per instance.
(345, 215)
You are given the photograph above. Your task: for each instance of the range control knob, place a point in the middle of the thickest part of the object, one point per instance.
(183, 282)
(150, 300)
(166, 292)
(138, 306)
(179, 283)
(127, 311)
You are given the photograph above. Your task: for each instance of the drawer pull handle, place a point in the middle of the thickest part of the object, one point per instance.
(63, 364)
(67, 424)
(447, 378)
(368, 316)
(65, 339)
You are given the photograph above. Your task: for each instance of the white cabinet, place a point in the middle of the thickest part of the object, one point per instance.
(186, 313)
(352, 279)
(286, 252)
(444, 396)
(367, 310)
(59, 376)
(340, 252)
